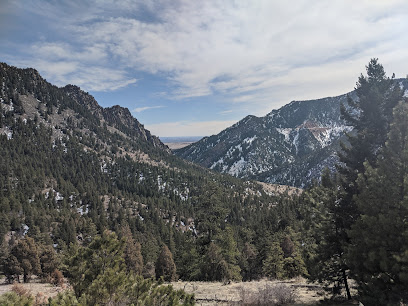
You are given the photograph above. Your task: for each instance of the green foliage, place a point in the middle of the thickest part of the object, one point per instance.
(66, 298)
(165, 266)
(132, 253)
(99, 276)
(103, 256)
(211, 213)
(326, 234)
(48, 261)
(214, 267)
(247, 261)
(24, 258)
(149, 292)
(59, 177)
(12, 268)
(273, 265)
(230, 254)
(109, 287)
(12, 299)
(379, 238)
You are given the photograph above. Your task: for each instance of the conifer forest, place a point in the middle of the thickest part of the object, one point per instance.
(89, 198)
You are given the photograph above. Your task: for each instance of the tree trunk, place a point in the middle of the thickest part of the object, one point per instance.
(346, 285)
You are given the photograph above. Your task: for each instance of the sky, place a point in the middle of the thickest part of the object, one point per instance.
(193, 68)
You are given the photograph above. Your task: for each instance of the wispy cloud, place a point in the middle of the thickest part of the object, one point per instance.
(250, 52)
(144, 108)
(227, 112)
(198, 42)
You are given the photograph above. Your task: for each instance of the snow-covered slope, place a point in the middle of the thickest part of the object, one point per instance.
(288, 146)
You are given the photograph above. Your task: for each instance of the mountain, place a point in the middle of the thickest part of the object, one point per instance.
(59, 108)
(71, 169)
(289, 146)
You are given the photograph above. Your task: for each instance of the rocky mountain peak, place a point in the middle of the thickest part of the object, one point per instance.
(290, 145)
(69, 108)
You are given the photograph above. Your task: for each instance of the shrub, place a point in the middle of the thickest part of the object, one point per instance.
(57, 278)
(277, 294)
(20, 290)
(12, 299)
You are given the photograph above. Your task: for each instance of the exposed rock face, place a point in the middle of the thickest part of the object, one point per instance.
(68, 107)
(288, 146)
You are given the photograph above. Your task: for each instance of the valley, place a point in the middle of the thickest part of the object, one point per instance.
(90, 197)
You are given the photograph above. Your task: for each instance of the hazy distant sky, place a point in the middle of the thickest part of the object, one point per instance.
(196, 67)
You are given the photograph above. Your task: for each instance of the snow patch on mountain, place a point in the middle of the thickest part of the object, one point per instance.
(285, 132)
(249, 140)
(237, 167)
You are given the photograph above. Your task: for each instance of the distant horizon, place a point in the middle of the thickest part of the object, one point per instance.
(177, 139)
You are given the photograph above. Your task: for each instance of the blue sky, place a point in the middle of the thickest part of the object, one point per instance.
(193, 68)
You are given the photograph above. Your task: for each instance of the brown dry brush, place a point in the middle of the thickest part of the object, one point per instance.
(277, 294)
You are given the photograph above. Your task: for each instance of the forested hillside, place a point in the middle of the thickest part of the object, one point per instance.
(72, 170)
(290, 145)
(89, 194)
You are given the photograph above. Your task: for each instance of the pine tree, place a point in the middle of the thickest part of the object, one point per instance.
(213, 265)
(379, 250)
(27, 254)
(132, 253)
(370, 115)
(48, 261)
(12, 268)
(210, 213)
(293, 263)
(247, 261)
(103, 255)
(273, 264)
(323, 221)
(230, 253)
(165, 266)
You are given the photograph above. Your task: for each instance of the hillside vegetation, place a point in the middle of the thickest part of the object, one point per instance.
(88, 194)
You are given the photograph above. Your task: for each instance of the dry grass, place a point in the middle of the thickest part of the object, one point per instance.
(210, 293)
(40, 291)
(216, 293)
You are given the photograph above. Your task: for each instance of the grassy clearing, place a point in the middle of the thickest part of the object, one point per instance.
(217, 293)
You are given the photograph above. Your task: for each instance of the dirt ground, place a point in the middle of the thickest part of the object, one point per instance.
(216, 293)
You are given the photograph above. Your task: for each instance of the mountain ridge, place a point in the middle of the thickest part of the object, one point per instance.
(30, 83)
(289, 146)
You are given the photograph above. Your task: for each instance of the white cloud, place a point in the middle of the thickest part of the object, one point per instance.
(142, 109)
(188, 128)
(249, 43)
(88, 77)
(229, 111)
(260, 53)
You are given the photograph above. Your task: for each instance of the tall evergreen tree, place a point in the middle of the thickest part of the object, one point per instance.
(165, 266)
(214, 267)
(230, 254)
(27, 255)
(48, 261)
(324, 221)
(132, 252)
(272, 266)
(103, 255)
(378, 254)
(370, 115)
